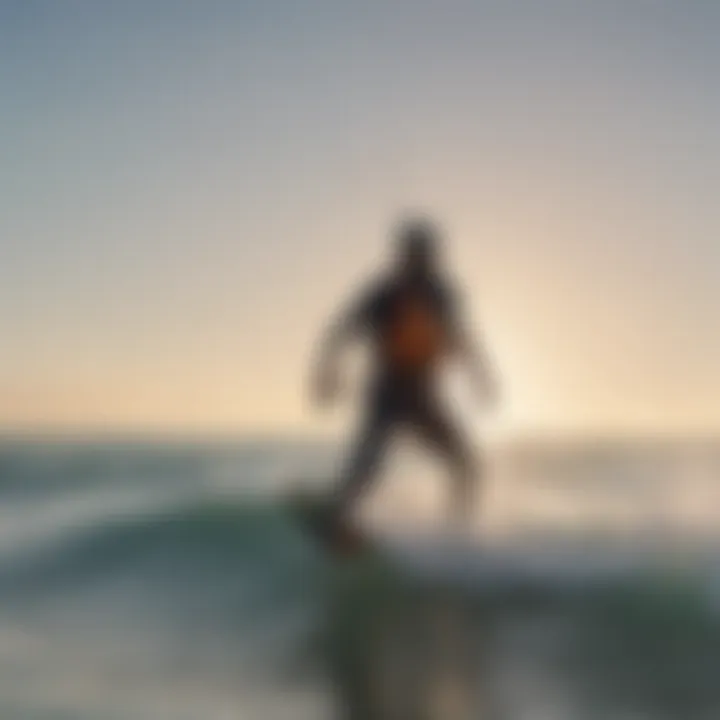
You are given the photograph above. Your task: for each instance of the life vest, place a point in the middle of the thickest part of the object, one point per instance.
(414, 337)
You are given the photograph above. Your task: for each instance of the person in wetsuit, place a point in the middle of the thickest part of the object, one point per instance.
(413, 319)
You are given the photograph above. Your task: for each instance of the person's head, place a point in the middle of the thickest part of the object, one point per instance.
(417, 245)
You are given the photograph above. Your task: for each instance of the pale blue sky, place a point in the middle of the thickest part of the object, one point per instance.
(187, 188)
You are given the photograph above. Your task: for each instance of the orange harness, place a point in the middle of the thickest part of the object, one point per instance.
(415, 337)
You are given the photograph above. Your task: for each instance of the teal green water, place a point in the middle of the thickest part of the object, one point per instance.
(171, 582)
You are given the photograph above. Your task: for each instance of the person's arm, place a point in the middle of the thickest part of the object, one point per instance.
(470, 349)
(475, 356)
(341, 330)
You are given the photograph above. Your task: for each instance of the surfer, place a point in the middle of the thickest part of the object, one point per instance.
(413, 320)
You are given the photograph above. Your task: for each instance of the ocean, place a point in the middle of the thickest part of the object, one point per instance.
(148, 580)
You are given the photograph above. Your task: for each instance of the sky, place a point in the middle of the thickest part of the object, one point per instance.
(188, 190)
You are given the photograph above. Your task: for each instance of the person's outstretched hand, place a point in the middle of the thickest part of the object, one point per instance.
(486, 391)
(326, 385)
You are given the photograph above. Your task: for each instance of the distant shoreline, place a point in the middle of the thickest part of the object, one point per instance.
(522, 442)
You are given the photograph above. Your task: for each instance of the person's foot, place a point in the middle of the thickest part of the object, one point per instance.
(342, 534)
(346, 539)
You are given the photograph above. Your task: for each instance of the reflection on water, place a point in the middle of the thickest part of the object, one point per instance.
(645, 646)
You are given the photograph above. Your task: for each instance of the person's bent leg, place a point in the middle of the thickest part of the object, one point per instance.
(438, 429)
(363, 463)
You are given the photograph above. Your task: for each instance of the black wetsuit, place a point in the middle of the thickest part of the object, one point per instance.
(405, 394)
